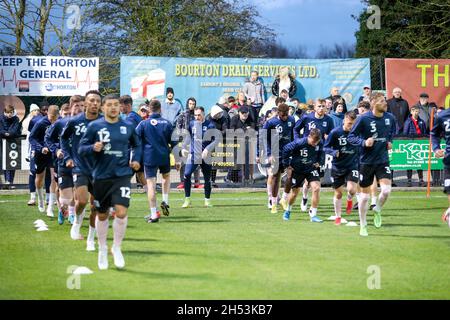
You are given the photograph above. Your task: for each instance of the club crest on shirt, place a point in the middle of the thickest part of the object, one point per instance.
(387, 122)
(324, 124)
(289, 124)
(123, 130)
(153, 122)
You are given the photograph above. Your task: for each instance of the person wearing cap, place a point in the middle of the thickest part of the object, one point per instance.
(366, 94)
(143, 111)
(170, 108)
(425, 108)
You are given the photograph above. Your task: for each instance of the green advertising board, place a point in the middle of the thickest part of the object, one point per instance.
(412, 154)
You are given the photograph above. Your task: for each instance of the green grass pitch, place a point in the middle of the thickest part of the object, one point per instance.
(236, 250)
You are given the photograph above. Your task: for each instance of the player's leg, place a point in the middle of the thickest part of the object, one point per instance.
(119, 228)
(305, 189)
(81, 200)
(275, 186)
(52, 196)
(383, 175)
(269, 187)
(102, 225)
(102, 191)
(151, 195)
(165, 173)
(287, 188)
(90, 241)
(446, 214)
(337, 202)
(296, 183)
(150, 175)
(188, 170)
(352, 187)
(39, 182)
(315, 187)
(206, 170)
(367, 174)
(32, 182)
(373, 193)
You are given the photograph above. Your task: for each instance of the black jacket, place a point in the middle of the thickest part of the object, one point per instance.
(10, 126)
(236, 123)
(400, 109)
(336, 98)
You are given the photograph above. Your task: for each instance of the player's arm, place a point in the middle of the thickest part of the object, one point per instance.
(51, 138)
(436, 133)
(136, 147)
(268, 138)
(88, 143)
(321, 154)
(354, 137)
(286, 153)
(298, 127)
(34, 142)
(330, 144)
(64, 141)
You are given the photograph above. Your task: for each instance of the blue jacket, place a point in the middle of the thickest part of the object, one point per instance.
(410, 130)
(9, 125)
(133, 118)
(156, 136)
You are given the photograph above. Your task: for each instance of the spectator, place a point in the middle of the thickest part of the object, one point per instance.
(170, 108)
(334, 96)
(285, 95)
(219, 118)
(415, 127)
(328, 105)
(254, 92)
(143, 111)
(425, 108)
(182, 123)
(366, 94)
(233, 107)
(284, 80)
(242, 121)
(241, 99)
(399, 108)
(34, 111)
(338, 115)
(9, 130)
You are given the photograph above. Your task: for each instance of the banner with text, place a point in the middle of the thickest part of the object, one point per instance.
(207, 79)
(47, 76)
(415, 76)
(412, 154)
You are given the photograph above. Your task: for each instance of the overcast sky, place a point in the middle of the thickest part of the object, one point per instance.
(311, 22)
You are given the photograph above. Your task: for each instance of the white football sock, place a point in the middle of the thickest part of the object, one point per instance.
(165, 198)
(337, 206)
(91, 234)
(102, 232)
(119, 228)
(362, 208)
(312, 212)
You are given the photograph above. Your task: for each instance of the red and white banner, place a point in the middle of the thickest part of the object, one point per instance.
(416, 76)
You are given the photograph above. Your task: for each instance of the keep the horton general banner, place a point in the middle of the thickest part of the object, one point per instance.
(207, 79)
(413, 155)
(47, 76)
(415, 76)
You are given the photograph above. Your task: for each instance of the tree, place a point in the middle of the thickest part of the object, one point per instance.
(409, 29)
